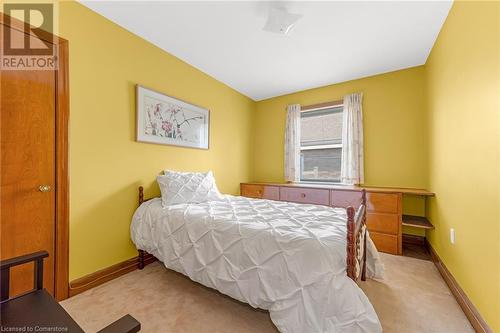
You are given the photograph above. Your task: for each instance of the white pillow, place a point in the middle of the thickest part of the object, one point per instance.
(187, 187)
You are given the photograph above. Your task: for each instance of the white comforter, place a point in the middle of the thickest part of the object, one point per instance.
(284, 257)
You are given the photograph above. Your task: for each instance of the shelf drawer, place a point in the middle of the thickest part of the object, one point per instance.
(385, 223)
(383, 202)
(345, 199)
(305, 195)
(260, 191)
(385, 243)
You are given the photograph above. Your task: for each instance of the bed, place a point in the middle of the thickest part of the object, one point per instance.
(300, 262)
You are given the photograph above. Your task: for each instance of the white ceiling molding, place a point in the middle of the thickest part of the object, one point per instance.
(332, 42)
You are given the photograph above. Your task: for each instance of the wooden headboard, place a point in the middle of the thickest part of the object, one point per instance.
(141, 196)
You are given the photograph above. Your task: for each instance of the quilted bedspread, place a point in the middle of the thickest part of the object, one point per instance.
(287, 258)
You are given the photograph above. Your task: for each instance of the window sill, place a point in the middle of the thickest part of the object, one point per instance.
(320, 183)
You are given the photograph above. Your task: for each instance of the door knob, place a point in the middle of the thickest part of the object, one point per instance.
(44, 188)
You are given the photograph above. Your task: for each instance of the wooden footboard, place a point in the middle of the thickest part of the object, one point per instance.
(356, 239)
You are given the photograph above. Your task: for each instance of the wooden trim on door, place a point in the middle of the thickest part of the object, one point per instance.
(61, 255)
(107, 274)
(471, 312)
(62, 173)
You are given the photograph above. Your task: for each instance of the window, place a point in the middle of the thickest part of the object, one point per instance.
(321, 144)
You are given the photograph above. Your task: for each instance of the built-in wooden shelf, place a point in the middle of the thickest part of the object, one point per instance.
(417, 222)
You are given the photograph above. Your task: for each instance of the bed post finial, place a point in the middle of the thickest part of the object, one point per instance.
(141, 195)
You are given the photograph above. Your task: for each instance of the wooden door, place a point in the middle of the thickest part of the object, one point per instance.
(28, 171)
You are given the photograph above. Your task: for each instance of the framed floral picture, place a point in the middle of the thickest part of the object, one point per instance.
(166, 120)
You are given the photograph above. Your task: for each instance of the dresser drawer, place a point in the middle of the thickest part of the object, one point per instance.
(260, 191)
(385, 243)
(385, 223)
(345, 199)
(305, 195)
(383, 202)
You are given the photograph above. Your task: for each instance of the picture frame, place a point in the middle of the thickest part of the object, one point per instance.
(166, 120)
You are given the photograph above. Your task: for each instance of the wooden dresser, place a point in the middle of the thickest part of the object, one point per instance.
(384, 205)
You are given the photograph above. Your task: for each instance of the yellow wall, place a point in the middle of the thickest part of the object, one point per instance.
(106, 164)
(463, 73)
(394, 127)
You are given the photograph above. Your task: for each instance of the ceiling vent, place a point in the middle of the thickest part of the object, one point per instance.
(280, 21)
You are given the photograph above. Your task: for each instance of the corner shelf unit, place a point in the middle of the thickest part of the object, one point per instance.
(417, 222)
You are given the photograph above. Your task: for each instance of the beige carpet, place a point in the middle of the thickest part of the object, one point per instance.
(412, 298)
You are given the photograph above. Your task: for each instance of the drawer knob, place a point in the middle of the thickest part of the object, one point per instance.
(303, 195)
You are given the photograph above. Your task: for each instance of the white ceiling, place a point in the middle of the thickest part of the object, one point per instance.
(333, 41)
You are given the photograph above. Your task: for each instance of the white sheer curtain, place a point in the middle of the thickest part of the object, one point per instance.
(292, 143)
(352, 168)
